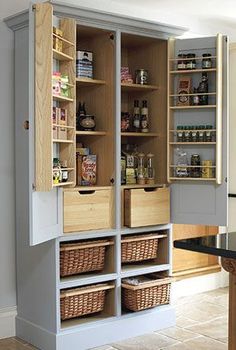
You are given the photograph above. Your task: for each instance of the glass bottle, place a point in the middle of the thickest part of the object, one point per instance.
(136, 117)
(144, 117)
(150, 169)
(64, 171)
(203, 88)
(141, 169)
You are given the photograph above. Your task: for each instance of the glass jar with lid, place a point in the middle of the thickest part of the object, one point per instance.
(181, 64)
(206, 61)
(191, 62)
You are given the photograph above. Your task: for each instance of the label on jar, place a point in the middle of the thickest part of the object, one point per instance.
(181, 65)
(206, 64)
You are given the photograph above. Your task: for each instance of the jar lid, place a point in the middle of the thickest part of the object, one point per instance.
(206, 55)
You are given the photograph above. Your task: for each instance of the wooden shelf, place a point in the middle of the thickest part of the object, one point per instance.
(91, 133)
(138, 87)
(61, 56)
(68, 169)
(192, 107)
(141, 186)
(187, 59)
(139, 134)
(91, 188)
(192, 179)
(62, 98)
(188, 71)
(192, 143)
(64, 126)
(89, 81)
(62, 141)
(63, 39)
(63, 184)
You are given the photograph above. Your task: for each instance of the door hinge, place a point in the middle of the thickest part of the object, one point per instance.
(226, 179)
(33, 187)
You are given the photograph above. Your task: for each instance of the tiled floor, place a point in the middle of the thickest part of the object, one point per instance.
(201, 325)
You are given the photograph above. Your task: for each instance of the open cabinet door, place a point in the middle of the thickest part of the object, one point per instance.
(198, 199)
(44, 202)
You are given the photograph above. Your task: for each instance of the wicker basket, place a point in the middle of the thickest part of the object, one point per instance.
(147, 294)
(83, 301)
(82, 257)
(139, 248)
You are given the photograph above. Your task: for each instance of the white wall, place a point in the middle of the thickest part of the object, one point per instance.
(159, 12)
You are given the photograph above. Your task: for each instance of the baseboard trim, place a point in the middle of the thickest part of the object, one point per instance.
(7, 322)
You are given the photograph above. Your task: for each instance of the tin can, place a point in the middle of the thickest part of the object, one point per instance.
(195, 161)
(141, 76)
(207, 169)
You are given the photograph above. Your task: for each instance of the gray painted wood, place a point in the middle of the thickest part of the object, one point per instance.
(36, 275)
(196, 202)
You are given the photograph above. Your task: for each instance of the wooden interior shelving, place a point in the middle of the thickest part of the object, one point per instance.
(139, 134)
(193, 143)
(61, 184)
(62, 98)
(61, 38)
(91, 133)
(193, 107)
(192, 179)
(138, 87)
(62, 141)
(89, 81)
(191, 71)
(61, 56)
(187, 59)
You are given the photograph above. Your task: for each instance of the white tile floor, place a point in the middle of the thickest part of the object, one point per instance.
(201, 325)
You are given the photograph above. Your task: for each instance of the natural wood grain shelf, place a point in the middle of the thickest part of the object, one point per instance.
(140, 134)
(89, 82)
(68, 169)
(62, 98)
(192, 107)
(141, 186)
(62, 141)
(63, 184)
(130, 87)
(63, 39)
(192, 143)
(188, 71)
(91, 133)
(61, 56)
(64, 126)
(192, 179)
(90, 188)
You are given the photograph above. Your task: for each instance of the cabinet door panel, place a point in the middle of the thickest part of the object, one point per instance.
(198, 201)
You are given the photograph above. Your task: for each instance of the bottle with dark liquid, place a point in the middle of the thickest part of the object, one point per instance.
(81, 113)
(144, 117)
(136, 117)
(203, 88)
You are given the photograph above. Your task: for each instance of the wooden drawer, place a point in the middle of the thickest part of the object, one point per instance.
(146, 207)
(88, 209)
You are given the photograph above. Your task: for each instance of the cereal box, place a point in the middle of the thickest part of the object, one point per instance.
(89, 170)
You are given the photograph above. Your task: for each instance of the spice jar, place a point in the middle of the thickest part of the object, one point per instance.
(150, 169)
(181, 61)
(180, 134)
(201, 133)
(195, 161)
(191, 62)
(187, 134)
(194, 133)
(208, 133)
(206, 61)
(57, 174)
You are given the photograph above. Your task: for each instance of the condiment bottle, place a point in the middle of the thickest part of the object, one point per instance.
(141, 169)
(201, 133)
(208, 133)
(203, 88)
(194, 133)
(144, 117)
(187, 134)
(64, 171)
(181, 61)
(57, 174)
(206, 61)
(180, 137)
(150, 169)
(136, 117)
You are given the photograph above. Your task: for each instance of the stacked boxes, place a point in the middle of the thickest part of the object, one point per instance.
(59, 117)
(84, 64)
(126, 77)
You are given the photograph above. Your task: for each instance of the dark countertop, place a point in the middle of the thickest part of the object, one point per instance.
(223, 245)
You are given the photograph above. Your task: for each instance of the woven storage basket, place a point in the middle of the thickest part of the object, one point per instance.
(82, 257)
(83, 301)
(147, 294)
(139, 248)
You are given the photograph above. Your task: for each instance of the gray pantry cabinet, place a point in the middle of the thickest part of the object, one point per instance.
(50, 215)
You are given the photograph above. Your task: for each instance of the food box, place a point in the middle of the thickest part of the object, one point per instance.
(89, 170)
(184, 88)
(84, 64)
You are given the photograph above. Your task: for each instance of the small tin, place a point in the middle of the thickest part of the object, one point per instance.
(141, 76)
(207, 169)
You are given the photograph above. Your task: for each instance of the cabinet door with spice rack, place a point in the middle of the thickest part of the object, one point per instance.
(197, 130)
(54, 108)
